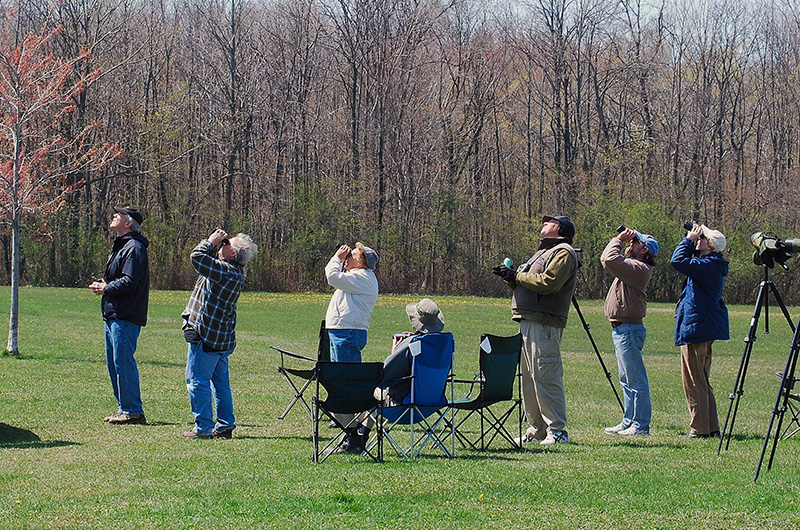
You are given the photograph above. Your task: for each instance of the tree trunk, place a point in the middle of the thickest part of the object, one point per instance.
(13, 321)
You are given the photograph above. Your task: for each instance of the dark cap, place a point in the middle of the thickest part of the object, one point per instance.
(567, 229)
(135, 214)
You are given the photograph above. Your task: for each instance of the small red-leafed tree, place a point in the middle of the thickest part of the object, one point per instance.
(43, 154)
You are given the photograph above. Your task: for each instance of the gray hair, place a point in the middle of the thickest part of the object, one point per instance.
(245, 248)
(136, 227)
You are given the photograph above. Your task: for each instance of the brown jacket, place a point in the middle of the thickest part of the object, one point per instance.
(627, 297)
(545, 284)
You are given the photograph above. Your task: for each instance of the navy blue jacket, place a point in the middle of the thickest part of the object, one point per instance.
(701, 314)
(127, 279)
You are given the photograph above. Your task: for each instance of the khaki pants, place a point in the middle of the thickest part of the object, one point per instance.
(695, 370)
(543, 395)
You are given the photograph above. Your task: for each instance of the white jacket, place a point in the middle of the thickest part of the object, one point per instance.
(354, 299)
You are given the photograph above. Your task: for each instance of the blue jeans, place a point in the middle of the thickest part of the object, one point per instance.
(121, 338)
(628, 343)
(346, 344)
(207, 380)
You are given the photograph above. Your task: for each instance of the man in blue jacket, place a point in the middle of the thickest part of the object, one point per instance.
(701, 318)
(125, 288)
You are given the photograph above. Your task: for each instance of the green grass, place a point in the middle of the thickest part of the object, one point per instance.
(62, 467)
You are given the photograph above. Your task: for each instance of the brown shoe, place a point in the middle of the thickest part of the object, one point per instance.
(226, 434)
(121, 418)
(191, 435)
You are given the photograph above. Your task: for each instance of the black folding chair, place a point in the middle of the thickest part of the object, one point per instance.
(350, 389)
(499, 369)
(793, 407)
(301, 372)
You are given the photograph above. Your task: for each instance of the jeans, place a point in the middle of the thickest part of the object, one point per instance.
(207, 379)
(121, 338)
(628, 343)
(346, 344)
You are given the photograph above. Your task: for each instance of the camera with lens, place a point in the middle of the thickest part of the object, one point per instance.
(771, 250)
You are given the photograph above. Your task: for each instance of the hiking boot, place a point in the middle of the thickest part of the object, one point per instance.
(362, 437)
(122, 418)
(350, 444)
(227, 434)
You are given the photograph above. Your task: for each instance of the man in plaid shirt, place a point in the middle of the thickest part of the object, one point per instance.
(209, 326)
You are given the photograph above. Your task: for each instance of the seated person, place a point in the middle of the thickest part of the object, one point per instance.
(425, 317)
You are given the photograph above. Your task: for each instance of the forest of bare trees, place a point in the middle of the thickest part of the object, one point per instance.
(436, 131)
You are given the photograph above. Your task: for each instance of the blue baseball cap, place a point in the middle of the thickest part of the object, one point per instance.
(650, 242)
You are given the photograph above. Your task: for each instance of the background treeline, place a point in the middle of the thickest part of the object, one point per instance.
(437, 132)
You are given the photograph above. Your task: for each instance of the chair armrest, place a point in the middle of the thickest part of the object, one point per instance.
(390, 384)
(291, 354)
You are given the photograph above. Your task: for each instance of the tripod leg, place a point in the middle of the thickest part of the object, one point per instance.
(738, 387)
(781, 403)
(778, 297)
(597, 352)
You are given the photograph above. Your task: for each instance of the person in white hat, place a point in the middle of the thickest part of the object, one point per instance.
(701, 317)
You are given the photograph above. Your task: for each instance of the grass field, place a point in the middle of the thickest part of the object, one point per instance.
(62, 467)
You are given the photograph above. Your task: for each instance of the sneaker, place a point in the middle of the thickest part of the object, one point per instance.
(558, 437)
(527, 438)
(227, 434)
(192, 435)
(121, 418)
(621, 426)
(633, 430)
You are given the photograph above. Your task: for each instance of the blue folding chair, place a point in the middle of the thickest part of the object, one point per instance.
(431, 369)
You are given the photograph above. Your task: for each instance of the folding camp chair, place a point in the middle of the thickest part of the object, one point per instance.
(499, 368)
(793, 408)
(305, 375)
(431, 369)
(350, 389)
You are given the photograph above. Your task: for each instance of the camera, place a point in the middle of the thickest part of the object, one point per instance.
(688, 225)
(771, 250)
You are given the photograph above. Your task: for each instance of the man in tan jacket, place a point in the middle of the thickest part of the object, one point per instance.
(543, 289)
(625, 307)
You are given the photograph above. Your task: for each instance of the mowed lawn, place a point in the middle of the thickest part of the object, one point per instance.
(62, 467)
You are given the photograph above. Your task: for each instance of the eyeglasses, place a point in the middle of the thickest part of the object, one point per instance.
(224, 242)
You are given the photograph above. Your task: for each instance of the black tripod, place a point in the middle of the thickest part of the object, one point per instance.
(782, 402)
(762, 302)
(597, 352)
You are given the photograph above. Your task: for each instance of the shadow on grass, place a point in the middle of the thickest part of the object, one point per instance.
(15, 438)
